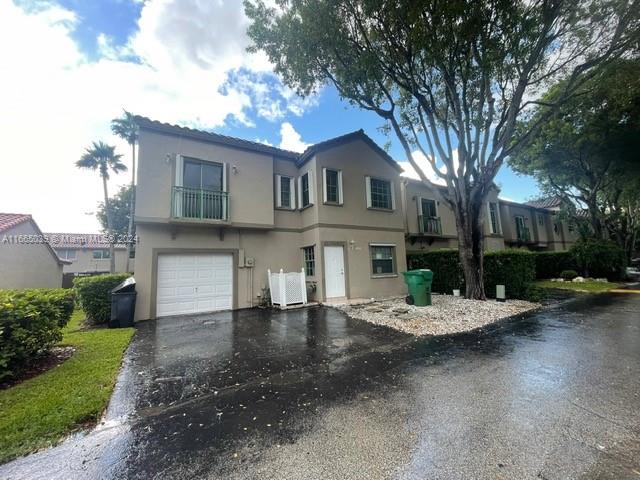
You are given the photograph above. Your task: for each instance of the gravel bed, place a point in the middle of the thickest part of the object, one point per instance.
(447, 315)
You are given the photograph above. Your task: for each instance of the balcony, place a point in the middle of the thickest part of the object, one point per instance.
(523, 235)
(429, 225)
(199, 204)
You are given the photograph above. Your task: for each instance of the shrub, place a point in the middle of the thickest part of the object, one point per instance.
(568, 274)
(446, 268)
(30, 324)
(94, 295)
(550, 264)
(513, 268)
(599, 258)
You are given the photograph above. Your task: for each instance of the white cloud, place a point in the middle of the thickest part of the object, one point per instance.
(290, 139)
(426, 167)
(55, 101)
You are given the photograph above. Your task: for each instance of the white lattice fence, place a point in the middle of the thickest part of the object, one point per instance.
(287, 288)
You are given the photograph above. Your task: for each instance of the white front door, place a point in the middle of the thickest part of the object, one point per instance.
(194, 283)
(334, 271)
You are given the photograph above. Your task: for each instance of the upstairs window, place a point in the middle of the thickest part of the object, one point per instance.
(309, 256)
(380, 193)
(305, 190)
(285, 197)
(332, 186)
(101, 254)
(493, 218)
(67, 254)
(203, 175)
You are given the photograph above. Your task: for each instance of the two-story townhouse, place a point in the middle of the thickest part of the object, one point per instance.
(430, 222)
(88, 253)
(213, 213)
(535, 226)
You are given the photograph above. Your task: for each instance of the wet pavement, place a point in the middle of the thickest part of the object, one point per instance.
(309, 394)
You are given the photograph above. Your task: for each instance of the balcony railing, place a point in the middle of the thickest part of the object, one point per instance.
(199, 204)
(430, 225)
(523, 234)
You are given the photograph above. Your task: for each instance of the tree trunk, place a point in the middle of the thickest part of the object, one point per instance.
(132, 205)
(112, 258)
(471, 248)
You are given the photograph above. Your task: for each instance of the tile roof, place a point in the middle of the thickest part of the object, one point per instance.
(10, 220)
(549, 202)
(80, 240)
(144, 122)
(299, 158)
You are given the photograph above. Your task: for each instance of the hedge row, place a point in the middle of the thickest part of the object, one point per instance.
(94, 295)
(513, 268)
(551, 264)
(31, 323)
(590, 258)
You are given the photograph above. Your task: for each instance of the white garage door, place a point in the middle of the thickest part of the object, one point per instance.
(193, 283)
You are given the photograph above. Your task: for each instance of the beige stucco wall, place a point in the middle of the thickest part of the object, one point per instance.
(249, 178)
(273, 237)
(27, 265)
(85, 263)
(413, 193)
(356, 160)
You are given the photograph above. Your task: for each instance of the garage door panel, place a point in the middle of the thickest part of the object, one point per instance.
(193, 283)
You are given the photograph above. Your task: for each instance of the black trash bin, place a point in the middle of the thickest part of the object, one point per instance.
(123, 304)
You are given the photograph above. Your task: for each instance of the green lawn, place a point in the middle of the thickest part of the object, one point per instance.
(578, 286)
(41, 411)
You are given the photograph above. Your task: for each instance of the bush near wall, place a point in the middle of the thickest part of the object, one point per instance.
(30, 324)
(94, 295)
(513, 268)
(551, 264)
(446, 268)
(599, 258)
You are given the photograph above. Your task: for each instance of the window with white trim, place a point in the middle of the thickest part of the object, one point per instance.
(540, 220)
(332, 182)
(101, 254)
(67, 254)
(285, 192)
(380, 193)
(305, 190)
(493, 218)
(309, 256)
(383, 259)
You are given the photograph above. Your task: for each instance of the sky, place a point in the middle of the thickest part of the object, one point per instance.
(68, 67)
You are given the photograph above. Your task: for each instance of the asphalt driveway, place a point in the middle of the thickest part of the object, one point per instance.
(313, 394)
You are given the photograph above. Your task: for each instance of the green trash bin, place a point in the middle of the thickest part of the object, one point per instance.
(419, 285)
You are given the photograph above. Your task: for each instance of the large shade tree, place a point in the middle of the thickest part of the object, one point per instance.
(451, 78)
(587, 152)
(102, 158)
(126, 128)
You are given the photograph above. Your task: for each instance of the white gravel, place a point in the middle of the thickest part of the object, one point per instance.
(447, 314)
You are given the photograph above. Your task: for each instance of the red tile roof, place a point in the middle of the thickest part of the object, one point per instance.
(10, 220)
(80, 240)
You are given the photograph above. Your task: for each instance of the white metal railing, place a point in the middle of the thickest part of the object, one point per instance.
(287, 288)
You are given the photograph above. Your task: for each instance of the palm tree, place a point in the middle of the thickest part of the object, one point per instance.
(126, 128)
(102, 157)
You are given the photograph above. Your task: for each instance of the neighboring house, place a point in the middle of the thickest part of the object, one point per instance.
(26, 259)
(213, 213)
(88, 253)
(430, 222)
(535, 225)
